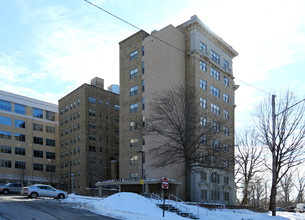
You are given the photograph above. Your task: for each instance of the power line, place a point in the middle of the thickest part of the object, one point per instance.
(117, 17)
(290, 107)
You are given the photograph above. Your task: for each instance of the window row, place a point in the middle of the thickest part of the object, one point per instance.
(7, 106)
(213, 55)
(22, 165)
(214, 73)
(214, 178)
(214, 195)
(72, 106)
(72, 140)
(72, 151)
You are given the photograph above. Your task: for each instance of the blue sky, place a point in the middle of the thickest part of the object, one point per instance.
(48, 48)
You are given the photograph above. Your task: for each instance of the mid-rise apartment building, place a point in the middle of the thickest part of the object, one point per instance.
(28, 140)
(192, 56)
(88, 137)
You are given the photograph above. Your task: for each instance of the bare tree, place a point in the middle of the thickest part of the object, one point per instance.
(248, 160)
(286, 143)
(300, 187)
(21, 175)
(189, 139)
(287, 184)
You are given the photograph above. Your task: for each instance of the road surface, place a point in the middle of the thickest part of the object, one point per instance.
(15, 207)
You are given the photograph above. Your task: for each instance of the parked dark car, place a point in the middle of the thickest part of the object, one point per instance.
(279, 209)
(10, 188)
(289, 209)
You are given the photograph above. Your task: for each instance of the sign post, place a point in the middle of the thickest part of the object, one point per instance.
(165, 186)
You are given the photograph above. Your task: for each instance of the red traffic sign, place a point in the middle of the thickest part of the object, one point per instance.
(165, 183)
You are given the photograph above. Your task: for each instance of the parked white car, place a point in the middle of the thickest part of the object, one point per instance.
(300, 207)
(39, 190)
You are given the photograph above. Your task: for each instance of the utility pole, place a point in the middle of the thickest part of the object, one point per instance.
(273, 188)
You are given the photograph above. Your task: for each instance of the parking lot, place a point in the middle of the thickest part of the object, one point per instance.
(15, 207)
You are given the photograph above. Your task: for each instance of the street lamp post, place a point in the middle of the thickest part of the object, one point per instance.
(142, 153)
(72, 177)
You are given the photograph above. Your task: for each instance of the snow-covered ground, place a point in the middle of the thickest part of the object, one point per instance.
(132, 206)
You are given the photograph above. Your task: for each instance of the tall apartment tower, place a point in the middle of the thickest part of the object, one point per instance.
(89, 137)
(192, 56)
(28, 140)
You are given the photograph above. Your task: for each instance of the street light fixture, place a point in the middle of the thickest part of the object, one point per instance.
(142, 153)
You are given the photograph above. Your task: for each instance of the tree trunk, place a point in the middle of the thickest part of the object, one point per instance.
(272, 203)
(187, 182)
(244, 201)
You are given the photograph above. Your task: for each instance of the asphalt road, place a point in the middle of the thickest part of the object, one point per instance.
(15, 207)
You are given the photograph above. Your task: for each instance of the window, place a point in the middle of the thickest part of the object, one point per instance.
(37, 113)
(226, 196)
(215, 91)
(143, 103)
(37, 127)
(133, 55)
(78, 114)
(38, 153)
(6, 106)
(50, 129)
(215, 126)
(204, 194)
(20, 137)
(38, 167)
(5, 121)
(20, 151)
(203, 140)
(225, 97)
(214, 177)
(92, 125)
(133, 73)
(133, 108)
(50, 142)
(74, 104)
(215, 144)
(50, 116)
(214, 73)
(226, 81)
(38, 140)
(77, 102)
(203, 102)
(225, 130)
(133, 91)
(203, 66)
(203, 84)
(91, 112)
(225, 114)
(133, 142)
(20, 109)
(92, 100)
(226, 180)
(215, 109)
(50, 168)
(19, 123)
(92, 137)
(5, 149)
(143, 67)
(143, 85)
(134, 176)
(226, 64)
(215, 57)
(203, 121)
(19, 165)
(50, 155)
(71, 106)
(202, 46)
(203, 176)
(117, 107)
(215, 195)
(5, 135)
(225, 148)
(143, 139)
(92, 149)
(143, 51)
(66, 120)
(133, 159)
(66, 108)
(133, 125)
(6, 163)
